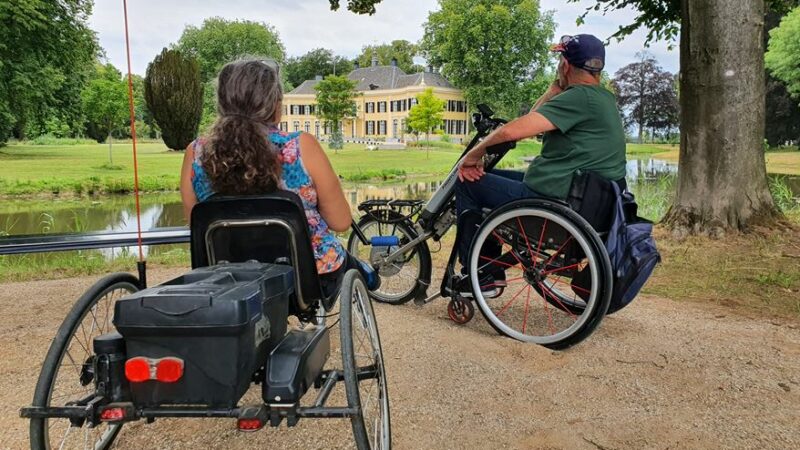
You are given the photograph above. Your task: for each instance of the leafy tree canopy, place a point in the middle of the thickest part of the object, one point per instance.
(47, 52)
(426, 115)
(783, 57)
(105, 102)
(219, 41)
(357, 6)
(404, 51)
(647, 95)
(335, 102)
(320, 61)
(660, 17)
(490, 49)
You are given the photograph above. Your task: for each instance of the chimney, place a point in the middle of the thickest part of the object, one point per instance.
(394, 62)
(318, 77)
(374, 59)
(430, 68)
(356, 65)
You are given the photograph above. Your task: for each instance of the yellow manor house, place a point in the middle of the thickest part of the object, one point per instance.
(386, 95)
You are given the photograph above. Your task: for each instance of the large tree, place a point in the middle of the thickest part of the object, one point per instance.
(722, 182)
(401, 50)
(335, 102)
(174, 94)
(490, 49)
(47, 52)
(320, 61)
(646, 95)
(426, 115)
(219, 41)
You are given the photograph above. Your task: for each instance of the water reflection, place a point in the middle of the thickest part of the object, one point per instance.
(639, 169)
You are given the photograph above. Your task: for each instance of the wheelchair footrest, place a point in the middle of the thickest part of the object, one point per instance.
(295, 364)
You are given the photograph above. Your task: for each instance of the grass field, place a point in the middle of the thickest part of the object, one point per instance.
(85, 168)
(783, 163)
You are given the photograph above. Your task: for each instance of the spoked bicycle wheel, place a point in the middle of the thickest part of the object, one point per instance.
(400, 279)
(364, 372)
(67, 373)
(553, 267)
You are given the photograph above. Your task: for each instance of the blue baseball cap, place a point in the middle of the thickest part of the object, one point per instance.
(584, 51)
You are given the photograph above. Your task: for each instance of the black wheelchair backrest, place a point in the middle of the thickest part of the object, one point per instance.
(268, 228)
(593, 198)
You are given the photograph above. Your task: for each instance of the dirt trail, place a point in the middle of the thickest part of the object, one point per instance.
(659, 375)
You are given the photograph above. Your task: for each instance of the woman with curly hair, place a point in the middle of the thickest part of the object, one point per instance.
(246, 153)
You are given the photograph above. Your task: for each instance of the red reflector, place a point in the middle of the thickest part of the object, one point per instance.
(169, 370)
(112, 414)
(137, 370)
(249, 424)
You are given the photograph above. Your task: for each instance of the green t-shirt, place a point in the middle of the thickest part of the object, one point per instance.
(589, 136)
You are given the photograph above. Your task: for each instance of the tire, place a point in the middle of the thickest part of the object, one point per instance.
(535, 260)
(99, 299)
(398, 285)
(372, 428)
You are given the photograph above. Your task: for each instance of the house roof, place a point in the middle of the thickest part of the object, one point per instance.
(380, 78)
(306, 87)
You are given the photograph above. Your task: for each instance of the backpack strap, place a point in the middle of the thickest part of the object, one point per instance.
(618, 224)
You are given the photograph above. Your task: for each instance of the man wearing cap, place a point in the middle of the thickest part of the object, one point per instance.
(582, 131)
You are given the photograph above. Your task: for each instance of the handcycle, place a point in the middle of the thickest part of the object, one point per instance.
(193, 346)
(538, 271)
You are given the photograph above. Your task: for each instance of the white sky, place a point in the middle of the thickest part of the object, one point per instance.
(307, 24)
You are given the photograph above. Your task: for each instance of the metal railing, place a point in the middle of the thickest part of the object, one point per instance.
(16, 245)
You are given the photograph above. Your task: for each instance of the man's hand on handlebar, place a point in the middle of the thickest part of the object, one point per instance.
(471, 166)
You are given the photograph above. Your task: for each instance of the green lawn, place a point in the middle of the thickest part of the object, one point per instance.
(84, 168)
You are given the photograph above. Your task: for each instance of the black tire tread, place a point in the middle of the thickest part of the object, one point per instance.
(348, 358)
(55, 352)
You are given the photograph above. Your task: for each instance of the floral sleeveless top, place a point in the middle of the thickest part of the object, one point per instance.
(328, 251)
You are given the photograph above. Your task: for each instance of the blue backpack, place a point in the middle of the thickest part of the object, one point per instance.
(631, 249)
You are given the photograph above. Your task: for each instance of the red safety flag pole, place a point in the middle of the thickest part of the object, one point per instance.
(141, 264)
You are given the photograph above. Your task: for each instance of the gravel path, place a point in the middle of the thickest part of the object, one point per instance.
(659, 375)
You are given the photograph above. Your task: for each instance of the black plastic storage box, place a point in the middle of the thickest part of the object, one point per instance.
(222, 321)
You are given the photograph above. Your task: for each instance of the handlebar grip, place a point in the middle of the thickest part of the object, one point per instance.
(385, 241)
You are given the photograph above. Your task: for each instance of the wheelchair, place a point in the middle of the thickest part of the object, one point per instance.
(193, 346)
(538, 270)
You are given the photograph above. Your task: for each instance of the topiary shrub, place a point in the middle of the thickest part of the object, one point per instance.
(174, 94)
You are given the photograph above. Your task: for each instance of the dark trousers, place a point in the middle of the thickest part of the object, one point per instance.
(493, 190)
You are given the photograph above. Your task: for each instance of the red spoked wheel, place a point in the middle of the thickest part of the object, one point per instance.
(460, 310)
(555, 270)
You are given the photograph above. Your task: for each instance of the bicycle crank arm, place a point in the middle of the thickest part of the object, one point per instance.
(397, 254)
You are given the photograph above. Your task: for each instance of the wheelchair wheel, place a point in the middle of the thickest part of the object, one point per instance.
(66, 373)
(364, 372)
(401, 279)
(556, 271)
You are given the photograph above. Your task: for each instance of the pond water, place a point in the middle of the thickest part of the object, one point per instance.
(117, 213)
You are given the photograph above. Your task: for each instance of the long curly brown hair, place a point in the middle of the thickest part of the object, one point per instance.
(239, 157)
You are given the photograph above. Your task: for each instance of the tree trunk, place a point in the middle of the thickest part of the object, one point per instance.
(642, 102)
(428, 144)
(110, 159)
(722, 179)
